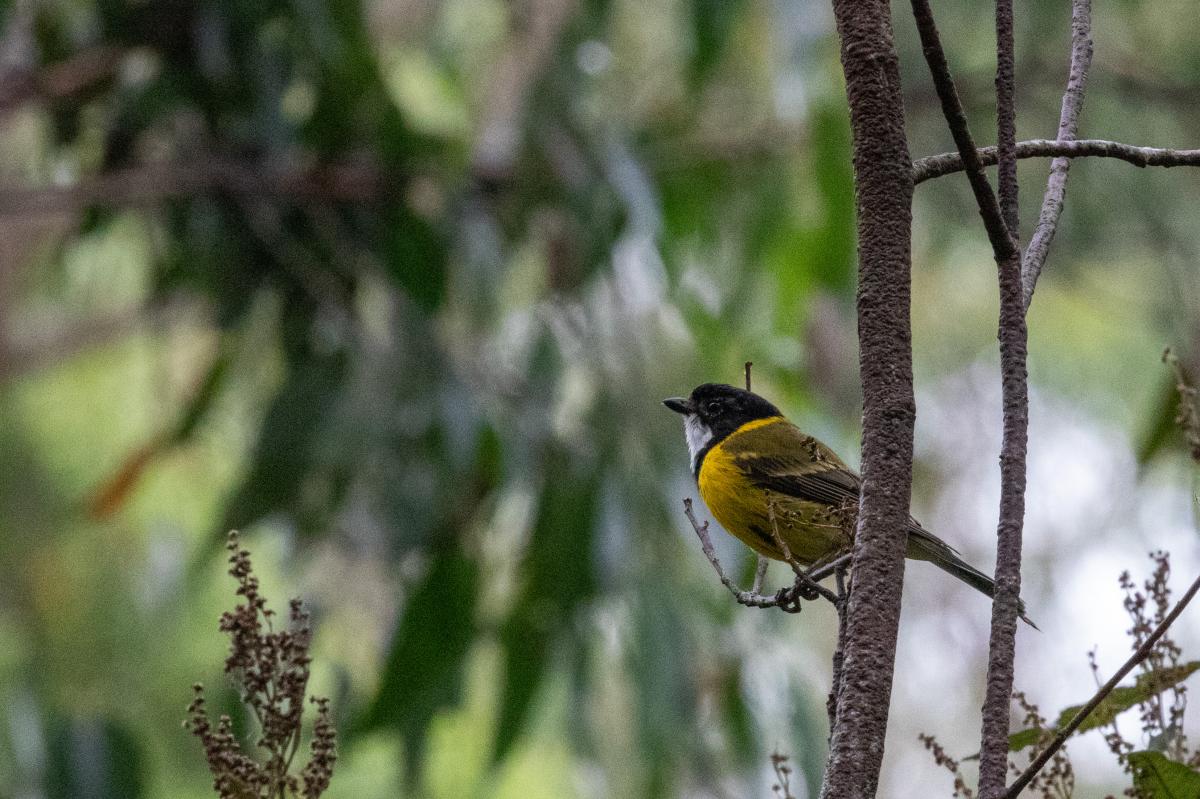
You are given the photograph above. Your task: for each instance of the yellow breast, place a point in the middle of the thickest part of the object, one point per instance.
(742, 507)
(737, 504)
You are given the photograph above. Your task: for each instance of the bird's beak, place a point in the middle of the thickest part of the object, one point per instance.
(679, 405)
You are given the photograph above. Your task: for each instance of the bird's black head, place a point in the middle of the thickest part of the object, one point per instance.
(714, 410)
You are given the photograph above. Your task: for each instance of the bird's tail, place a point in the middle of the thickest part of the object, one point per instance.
(923, 545)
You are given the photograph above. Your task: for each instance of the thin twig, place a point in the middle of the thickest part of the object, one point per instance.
(782, 600)
(752, 599)
(936, 166)
(1068, 129)
(993, 749)
(786, 599)
(760, 574)
(835, 685)
(803, 578)
(1141, 654)
(760, 571)
(1003, 244)
(837, 567)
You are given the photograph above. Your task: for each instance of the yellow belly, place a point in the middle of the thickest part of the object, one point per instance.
(742, 509)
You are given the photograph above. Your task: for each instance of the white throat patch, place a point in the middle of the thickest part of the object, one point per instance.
(697, 434)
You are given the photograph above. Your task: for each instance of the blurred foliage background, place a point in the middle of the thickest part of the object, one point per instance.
(395, 288)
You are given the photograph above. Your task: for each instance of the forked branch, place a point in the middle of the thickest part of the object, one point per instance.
(805, 586)
(1068, 129)
(969, 156)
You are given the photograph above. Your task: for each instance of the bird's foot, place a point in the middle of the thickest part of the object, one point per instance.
(788, 599)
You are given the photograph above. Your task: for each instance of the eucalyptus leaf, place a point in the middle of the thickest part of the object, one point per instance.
(1155, 776)
(1121, 699)
(558, 575)
(424, 667)
(1161, 427)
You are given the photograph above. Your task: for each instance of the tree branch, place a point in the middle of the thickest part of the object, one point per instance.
(151, 184)
(936, 166)
(1068, 129)
(883, 193)
(1006, 117)
(970, 160)
(82, 71)
(1137, 657)
(993, 749)
(786, 599)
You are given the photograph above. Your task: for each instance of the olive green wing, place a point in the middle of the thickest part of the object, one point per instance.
(780, 458)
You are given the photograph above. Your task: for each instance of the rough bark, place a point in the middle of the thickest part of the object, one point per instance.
(993, 751)
(883, 190)
(1006, 117)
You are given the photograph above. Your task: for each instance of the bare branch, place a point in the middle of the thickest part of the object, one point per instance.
(936, 166)
(749, 598)
(835, 682)
(1068, 129)
(1006, 604)
(1003, 244)
(786, 599)
(760, 574)
(803, 579)
(1141, 654)
(760, 571)
(84, 70)
(147, 185)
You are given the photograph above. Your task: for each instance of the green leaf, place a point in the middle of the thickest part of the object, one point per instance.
(203, 399)
(818, 252)
(427, 660)
(664, 678)
(712, 23)
(1157, 777)
(1121, 699)
(738, 721)
(1162, 425)
(416, 258)
(94, 758)
(286, 454)
(558, 577)
(425, 664)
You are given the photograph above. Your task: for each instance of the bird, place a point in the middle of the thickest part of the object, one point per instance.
(768, 482)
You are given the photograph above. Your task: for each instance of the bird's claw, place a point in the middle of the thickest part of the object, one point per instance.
(788, 600)
(807, 591)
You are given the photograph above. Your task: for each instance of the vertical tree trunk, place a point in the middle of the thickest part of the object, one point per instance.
(993, 752)
(883, 189)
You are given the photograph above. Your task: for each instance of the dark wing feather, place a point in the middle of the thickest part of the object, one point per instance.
(830, 486)
(778, 457)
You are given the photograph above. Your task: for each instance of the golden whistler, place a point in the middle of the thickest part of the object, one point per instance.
(758, 474)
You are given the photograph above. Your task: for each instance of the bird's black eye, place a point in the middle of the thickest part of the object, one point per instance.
(713, 408)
